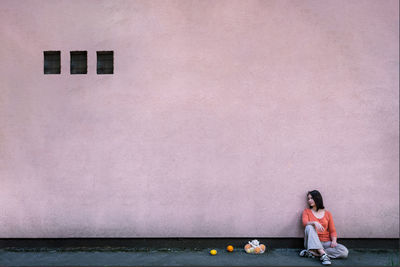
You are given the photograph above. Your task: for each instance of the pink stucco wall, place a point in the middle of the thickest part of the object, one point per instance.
(219, 118)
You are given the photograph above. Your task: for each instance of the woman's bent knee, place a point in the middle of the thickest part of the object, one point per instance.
(309, 228)
(345, 253)
(342, 252)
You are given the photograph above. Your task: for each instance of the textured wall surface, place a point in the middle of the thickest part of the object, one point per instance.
(219, 118)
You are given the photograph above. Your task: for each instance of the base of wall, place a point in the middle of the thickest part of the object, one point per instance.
(185, 243)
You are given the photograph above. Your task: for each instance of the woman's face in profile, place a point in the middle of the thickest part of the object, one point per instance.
(310, 201)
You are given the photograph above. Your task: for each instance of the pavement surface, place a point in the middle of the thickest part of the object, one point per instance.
(171, 257)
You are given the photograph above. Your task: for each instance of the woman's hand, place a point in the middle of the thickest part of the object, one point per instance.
(333, 244)
(319, 227)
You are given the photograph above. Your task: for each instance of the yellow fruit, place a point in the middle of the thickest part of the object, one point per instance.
(248, 250)
(229, 248)
(213, 252)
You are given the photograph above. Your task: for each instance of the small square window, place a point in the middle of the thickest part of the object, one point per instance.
(78, 62)
(105, 62)
(52, 62)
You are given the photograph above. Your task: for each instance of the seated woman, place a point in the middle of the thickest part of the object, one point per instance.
(320, 237)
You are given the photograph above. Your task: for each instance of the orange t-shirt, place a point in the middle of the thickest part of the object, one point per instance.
(326, 222)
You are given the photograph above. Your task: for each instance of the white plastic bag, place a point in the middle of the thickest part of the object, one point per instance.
(254, 247)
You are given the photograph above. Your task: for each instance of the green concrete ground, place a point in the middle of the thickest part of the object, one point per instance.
(170, 257)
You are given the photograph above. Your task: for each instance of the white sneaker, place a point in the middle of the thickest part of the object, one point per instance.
(306, 253)
(325, 260)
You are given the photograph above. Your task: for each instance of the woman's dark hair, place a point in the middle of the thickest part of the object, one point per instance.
(317, 197)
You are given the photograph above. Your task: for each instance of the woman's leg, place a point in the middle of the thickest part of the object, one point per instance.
(312, 242)
(337, 252)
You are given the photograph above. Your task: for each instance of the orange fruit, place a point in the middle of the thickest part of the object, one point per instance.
(230, 248)
(262, 246)
(248, 246)
(257, 250)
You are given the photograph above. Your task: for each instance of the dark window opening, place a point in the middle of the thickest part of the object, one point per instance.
(52, 62)
(105, 62)
(78, 62)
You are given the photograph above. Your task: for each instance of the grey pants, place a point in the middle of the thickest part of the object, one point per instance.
(311, 241)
